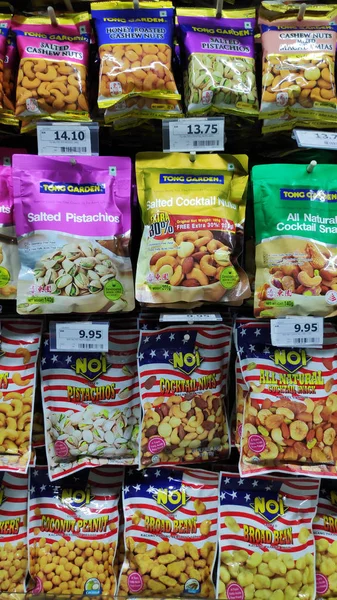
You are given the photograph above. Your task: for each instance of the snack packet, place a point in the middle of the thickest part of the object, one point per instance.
(291, 410)
(296, 228)
(53, 66)
(135, 48)
(298, 61)
(7, 114)
(193, 215)
(77, 521)
(326, 541)
(55, 198)
(240, 398)
(5, 22)
(13, 535)
(170, 533)
(183, 378)
(20, 343)
(91, 406)
(267, 546)
(218, 61)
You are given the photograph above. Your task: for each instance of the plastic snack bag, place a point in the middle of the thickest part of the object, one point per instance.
(93, 419)
(290, 414)
(183, 378)
(218, 59)
(56, 198)
(73, 532)
(296, 226)
(170, 533)
(53, 66)
(5, 21)
(298, 61)
(13, 535)
(135, 47)
(326, 541)
(7, 115)
(267, 546)
(20, 343)
(193, 215)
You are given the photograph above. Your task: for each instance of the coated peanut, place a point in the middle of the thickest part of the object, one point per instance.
(13, 568)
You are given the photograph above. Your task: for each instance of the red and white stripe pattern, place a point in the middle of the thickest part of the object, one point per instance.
(20, 344)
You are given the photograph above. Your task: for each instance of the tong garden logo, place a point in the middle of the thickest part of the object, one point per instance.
(290, 360)
(91, 368)
(75, 499)
(270, 509)
(186, 362)
(171, 498)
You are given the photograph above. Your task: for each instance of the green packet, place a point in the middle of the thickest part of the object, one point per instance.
(296, 240)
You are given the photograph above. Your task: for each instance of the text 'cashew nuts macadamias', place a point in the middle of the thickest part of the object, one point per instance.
(193, 215)
(290, 413)
(170, 542)
(266, 545)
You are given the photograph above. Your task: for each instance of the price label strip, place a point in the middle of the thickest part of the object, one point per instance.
(194, 135)
(297, 332)
(315, 139)
(67, 139)
(190, 318)
(86, 336)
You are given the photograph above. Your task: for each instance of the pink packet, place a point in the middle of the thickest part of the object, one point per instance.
(73, 220)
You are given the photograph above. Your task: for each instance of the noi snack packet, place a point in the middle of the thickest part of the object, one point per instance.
(135, 48)
(170, 533)
(290, 414)
(296, 226)
(267, 546)
(298, 61)
(183, 378)
(218, 61)
(91, 405)
(193, 215)
(13, 535)
(325, 532)
(20, 344)
(56, 198)
(53, 66)
(73, 532)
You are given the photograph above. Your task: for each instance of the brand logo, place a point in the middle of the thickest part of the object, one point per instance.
(75, 499)
(171, 498)
(90, 368)
(186, 362)
(46, 187)
(2, 495)
(269, 509)
(290, 360)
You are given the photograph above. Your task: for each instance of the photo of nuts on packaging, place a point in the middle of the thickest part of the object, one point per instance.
(184, 411)
(290, 415)
(171, 547)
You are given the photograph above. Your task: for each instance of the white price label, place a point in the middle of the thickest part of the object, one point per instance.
(315, 139)
(86, 336)
(297, 332)
(194, 135)
(63, 139)
(186, 318)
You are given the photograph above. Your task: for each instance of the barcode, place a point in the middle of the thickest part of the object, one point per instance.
(206, 143)
(91, 346)
(306, 340)
(69, 149)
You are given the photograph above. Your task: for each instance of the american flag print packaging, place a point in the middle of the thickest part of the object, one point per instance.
(91, 405)
(325, 532)
(19, 349)
(13, 534)
(73, 531)
(290, 414)
(170, 533)
(183, 377)
(267, 547)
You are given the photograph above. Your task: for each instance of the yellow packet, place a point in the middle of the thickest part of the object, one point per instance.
(193, 215)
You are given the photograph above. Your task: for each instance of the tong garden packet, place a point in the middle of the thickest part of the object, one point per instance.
(170, 533)
(267, 547)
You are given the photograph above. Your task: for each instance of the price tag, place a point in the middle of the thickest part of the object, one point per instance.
(194, 135)
(315, 139)
(67, 139)
(87, 336)
(192, 318)
(297, 332)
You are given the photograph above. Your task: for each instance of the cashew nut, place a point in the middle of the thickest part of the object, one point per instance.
(25, 353)
(30, 84)
(165, 260)
(40, 66)
(10, 434)
(177, 276)
(56, 85)
(206, 265)
(72, 95)
(184, 236)
(17, 379)
(74, 80)
(49, 76)
(42, 90)
(27, 69)
(214, 245)
(22, 421)
(198, 275)
(307, 281)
